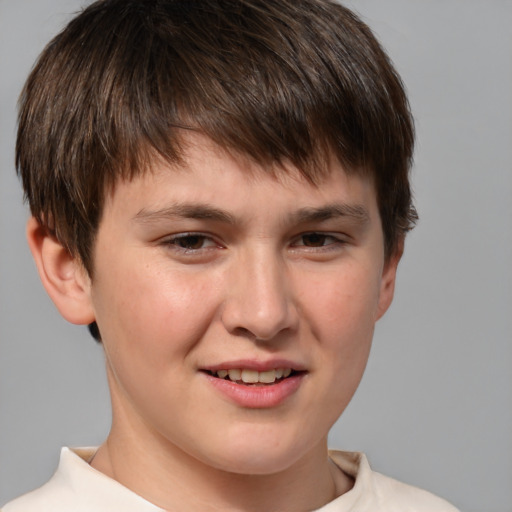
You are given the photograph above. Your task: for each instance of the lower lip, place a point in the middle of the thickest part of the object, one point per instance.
(254, 396)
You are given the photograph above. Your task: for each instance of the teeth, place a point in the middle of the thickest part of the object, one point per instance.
(222, 374)
(235, 374)
(253, 376)
(267, 377)
(250, 376)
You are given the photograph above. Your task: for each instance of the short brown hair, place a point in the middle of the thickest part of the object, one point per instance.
(277, 80)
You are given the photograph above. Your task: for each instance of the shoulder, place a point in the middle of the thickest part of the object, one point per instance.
(395, 495)
(375, 492)
(45, 499)
(77, 487)
(56, 495)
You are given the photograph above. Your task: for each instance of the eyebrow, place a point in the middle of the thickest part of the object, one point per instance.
(187, 211)
(200, 211)
(355, 212)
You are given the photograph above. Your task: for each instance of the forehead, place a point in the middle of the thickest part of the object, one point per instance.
(226, 180)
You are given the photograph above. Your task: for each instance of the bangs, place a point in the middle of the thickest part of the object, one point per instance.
(278, 81)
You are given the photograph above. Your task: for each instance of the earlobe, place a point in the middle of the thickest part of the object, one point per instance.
(63, 276)
(387, 285)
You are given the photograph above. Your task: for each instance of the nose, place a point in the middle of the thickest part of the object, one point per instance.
(260, 302)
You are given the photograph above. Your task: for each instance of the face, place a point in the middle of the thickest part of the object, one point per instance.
(237, 309)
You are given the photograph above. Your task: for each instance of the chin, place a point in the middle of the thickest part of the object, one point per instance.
(253, 455)
(256, 464)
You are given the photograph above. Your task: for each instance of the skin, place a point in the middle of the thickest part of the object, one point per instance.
(216, 262)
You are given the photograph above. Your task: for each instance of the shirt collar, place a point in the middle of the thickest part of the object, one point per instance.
(100, 492)
(96, 491)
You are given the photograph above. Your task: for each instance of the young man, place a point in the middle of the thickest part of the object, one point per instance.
(220, 191)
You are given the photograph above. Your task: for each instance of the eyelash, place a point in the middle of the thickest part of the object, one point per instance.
(175, 240)
(318, 237)
(328, 242)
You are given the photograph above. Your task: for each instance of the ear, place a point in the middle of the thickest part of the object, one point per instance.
(63, 276)
(387, 284)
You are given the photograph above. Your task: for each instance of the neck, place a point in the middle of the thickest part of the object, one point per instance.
(171, 479)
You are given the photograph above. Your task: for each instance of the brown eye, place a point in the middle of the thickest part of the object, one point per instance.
(315, 239)
(190, 242)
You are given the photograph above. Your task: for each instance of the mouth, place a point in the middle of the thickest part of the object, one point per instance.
(252, 384)
(249, 377)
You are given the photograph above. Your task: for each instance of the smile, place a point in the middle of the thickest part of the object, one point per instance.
(246, 376)
(256, 389)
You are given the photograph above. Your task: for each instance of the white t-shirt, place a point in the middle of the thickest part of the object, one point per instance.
(77, 487)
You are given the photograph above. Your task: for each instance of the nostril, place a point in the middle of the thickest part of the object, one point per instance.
(243, 333)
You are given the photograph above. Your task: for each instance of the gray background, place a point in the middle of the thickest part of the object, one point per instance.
(435, 407)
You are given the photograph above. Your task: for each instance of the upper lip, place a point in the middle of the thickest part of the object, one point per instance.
(256, 365)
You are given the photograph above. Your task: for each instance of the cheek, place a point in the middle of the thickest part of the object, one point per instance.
(342, 315)
(150, 323)
(343, 307)
(152, 313)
